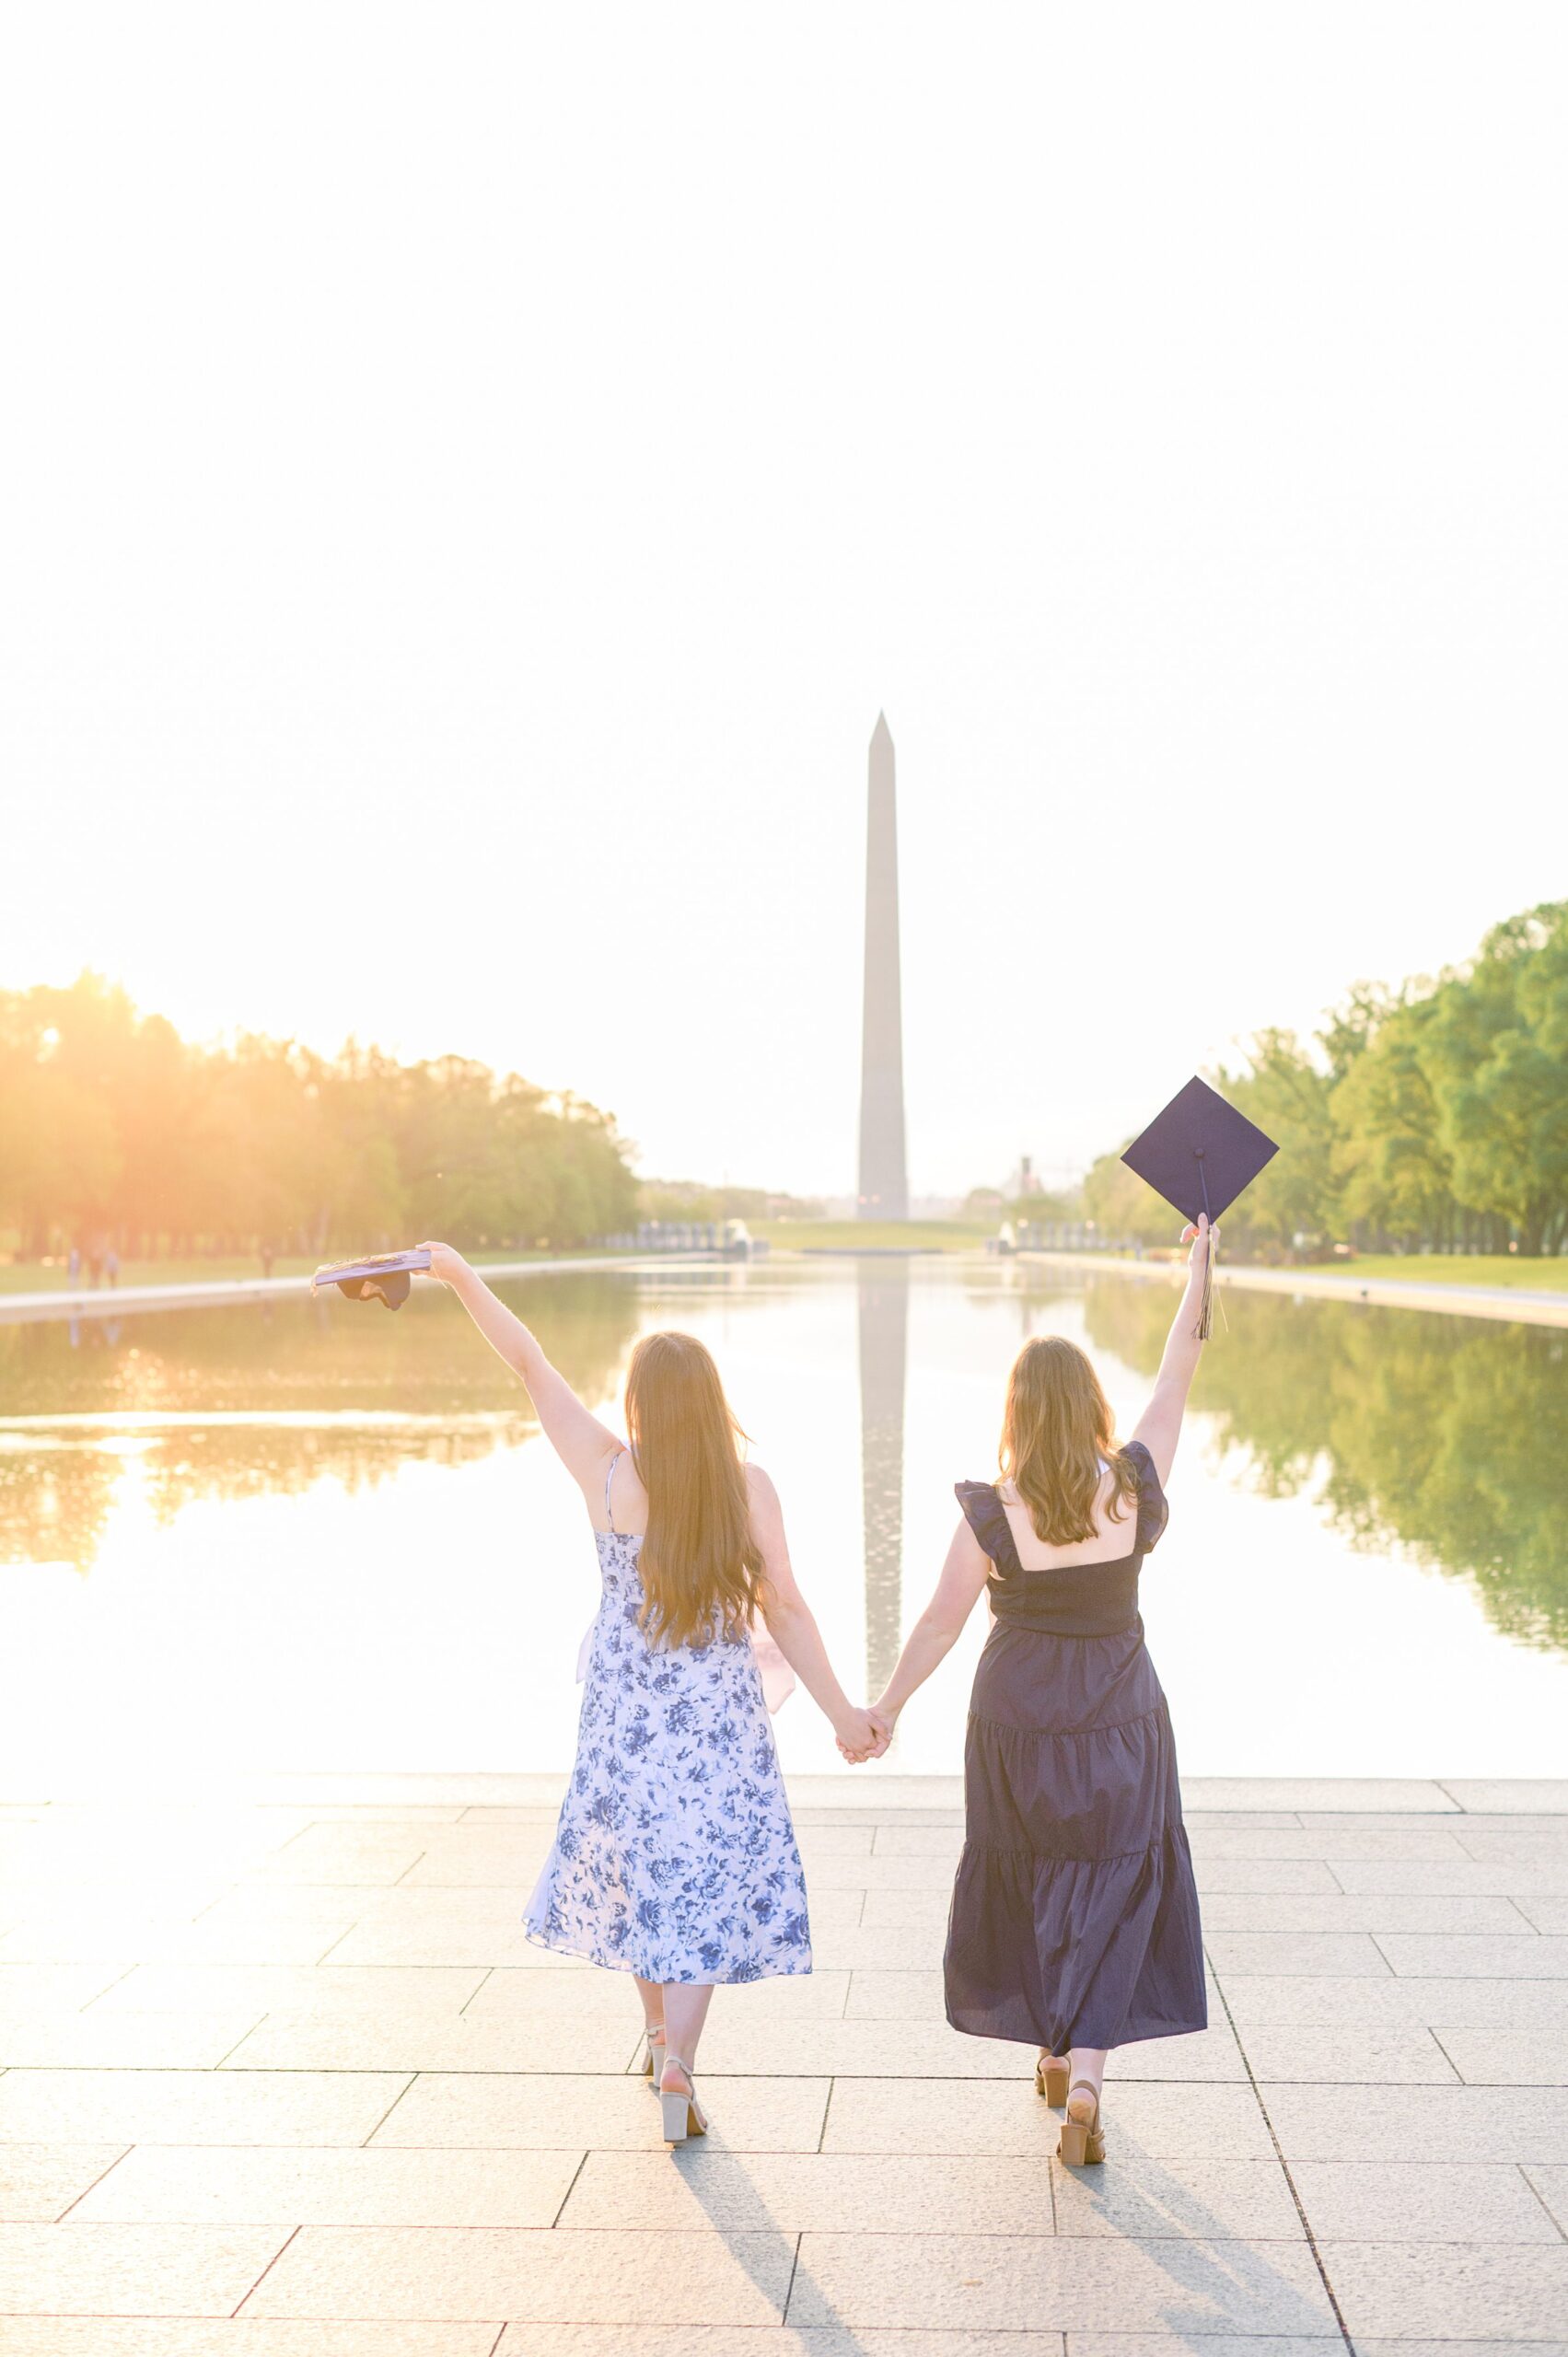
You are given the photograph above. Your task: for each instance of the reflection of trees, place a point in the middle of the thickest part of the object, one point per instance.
(150, 1388)
(1448, 1434)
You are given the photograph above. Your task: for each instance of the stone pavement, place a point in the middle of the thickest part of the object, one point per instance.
(282, 2078)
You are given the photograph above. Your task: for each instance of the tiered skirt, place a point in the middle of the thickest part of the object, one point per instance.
(1074, 1914)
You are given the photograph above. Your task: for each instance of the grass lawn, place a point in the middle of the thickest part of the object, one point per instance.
(35, 1276)
(1450, 1269)
(1414, 1268)
(873, 1235)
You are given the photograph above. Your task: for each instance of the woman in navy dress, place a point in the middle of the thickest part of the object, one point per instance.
(1074, 1916)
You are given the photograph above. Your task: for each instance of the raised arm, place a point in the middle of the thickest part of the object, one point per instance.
(581, 1442)
(1159, 1426)
(793, 1625)
(938, 1629)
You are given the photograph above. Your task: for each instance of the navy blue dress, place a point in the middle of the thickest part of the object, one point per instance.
(1074, 1914)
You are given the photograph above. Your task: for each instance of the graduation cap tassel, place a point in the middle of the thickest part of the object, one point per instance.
(1204, 1327)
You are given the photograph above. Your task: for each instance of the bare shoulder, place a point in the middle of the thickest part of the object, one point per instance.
(760, 1488)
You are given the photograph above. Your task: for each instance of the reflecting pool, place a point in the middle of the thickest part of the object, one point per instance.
(316, 1537)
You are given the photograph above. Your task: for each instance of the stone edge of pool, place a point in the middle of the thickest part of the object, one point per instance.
(1349, 1795)
(1519, 1308)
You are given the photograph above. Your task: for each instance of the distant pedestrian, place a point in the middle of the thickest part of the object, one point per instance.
(95, 1266)
(74, 1265)
(269, 1253)
(111, 1265)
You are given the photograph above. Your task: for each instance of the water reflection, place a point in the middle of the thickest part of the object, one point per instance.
(1446, 1436)
(883, 1317)
(238, 1403)
(337, 1540)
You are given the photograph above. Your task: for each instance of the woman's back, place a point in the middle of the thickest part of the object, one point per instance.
(1087, 1589)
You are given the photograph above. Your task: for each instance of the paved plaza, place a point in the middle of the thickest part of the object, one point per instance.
(283, 2078)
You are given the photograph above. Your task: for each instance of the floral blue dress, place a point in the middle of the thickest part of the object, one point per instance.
(675, 1855)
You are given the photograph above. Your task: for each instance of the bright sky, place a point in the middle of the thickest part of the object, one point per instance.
(530, 443)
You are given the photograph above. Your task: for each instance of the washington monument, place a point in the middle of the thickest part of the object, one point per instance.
(884, 1179)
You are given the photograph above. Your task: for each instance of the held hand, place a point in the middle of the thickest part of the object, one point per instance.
(857, 1736)
(446, 1265)
(880, 1725)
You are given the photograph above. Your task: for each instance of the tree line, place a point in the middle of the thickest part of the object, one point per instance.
(118, 1133)
(1430, 1118)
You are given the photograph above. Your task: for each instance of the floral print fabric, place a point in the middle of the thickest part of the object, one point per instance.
(674, 1856)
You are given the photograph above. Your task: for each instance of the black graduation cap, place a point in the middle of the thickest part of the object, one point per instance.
(383, 1277)
(1200, 1154)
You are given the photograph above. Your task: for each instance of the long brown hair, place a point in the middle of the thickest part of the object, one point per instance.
(701, 1569)
(1056, 1429)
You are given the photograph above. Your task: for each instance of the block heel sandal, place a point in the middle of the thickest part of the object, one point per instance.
(1083, 2141)
(1051, 2081)
(682, 2115)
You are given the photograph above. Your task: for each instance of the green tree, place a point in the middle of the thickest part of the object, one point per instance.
(1495, 1051)
(1392, 1169)
(1286, 1090)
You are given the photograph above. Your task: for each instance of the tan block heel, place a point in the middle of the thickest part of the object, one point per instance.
(1083, 2140)
(680, 2114)
(1051, 2081)
(653, 2062)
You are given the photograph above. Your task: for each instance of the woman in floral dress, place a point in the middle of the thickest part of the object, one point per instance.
(674, 1859)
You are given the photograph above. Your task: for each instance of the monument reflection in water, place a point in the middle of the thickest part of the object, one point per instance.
(884, 1318)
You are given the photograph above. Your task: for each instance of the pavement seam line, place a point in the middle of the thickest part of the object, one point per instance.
(240, 2040)
(467, 2001)
(391, 2109)
(566, 2197)
(114, 2164)
(108, 1985)
(267, 2270)
(827, 2109)
(342, 1936)
(1448, 2058)
(1524, 2171)
(789, 2288)
(1329, 2292)
(496, 2342)
(231, 1890)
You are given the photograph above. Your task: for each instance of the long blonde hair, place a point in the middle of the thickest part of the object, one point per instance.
(1056, 1427)
(701, 1569)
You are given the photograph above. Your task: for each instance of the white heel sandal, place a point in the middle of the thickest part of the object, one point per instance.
(652, 2056)
(682, 2115)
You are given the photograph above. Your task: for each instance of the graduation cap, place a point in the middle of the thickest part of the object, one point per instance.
(383, 1277)
(1200, 1154)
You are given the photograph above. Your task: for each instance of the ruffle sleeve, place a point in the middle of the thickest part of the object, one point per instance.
(1154, 1509)
(985, 1513)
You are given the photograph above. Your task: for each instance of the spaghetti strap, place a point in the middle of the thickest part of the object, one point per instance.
(610, 1475)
